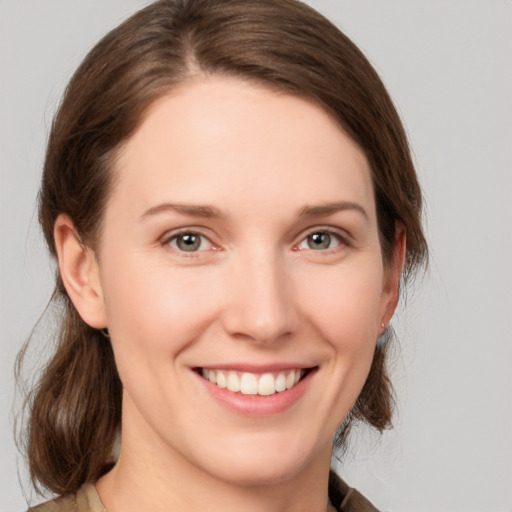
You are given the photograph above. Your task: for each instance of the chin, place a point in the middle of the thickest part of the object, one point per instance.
(263, 462)
(258, 474)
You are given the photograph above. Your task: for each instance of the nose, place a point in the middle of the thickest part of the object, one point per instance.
(260, 302)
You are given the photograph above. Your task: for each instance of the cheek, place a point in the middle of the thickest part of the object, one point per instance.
(345, 304)
(155, 311)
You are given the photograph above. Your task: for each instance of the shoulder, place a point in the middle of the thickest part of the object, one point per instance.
(345, 498)
(86, 499)
(62, 504)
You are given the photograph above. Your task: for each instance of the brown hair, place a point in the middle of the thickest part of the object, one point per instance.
(283, 44)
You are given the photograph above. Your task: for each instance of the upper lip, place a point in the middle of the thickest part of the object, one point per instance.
(256, 368)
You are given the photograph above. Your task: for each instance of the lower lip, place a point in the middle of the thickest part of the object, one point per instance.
(257, 405)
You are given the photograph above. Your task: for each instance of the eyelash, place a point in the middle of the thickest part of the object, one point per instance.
(171, 241)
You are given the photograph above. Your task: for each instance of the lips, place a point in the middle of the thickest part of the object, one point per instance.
(248, 383)
(256, 391)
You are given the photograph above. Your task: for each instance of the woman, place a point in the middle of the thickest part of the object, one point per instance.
(230, 197)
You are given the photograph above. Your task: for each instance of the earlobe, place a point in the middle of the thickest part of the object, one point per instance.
(393, 274)
(79, 272)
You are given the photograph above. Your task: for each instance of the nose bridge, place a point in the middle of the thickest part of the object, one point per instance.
(261, 305)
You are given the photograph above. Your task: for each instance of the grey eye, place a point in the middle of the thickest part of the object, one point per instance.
(187, 242)
(319, 241)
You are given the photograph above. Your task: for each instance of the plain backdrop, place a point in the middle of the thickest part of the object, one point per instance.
(448, 67)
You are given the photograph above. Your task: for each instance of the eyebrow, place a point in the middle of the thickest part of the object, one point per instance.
(330, 208)
(205, 211)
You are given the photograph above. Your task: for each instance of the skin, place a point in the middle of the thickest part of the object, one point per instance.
(257, 291)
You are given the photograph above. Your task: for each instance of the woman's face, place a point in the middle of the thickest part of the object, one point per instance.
(240, 244)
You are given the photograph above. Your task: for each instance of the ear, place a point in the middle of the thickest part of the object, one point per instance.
(79, 272)
(393, 272)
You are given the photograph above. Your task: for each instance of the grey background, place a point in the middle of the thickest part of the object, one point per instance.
(447, 66)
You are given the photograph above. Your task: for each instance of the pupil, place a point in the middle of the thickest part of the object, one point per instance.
(189, 242)
(319, 241)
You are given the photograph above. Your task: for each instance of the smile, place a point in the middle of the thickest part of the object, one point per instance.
(247, 383)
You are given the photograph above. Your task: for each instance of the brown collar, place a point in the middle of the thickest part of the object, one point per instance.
(345, 498)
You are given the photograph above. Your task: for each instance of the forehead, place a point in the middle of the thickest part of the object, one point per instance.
(222, 140)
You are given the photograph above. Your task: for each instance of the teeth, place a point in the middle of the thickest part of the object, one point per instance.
(233, 382)
(281, 382)
(290, 380)
(266, 385)
(222, 382)
(250, 384)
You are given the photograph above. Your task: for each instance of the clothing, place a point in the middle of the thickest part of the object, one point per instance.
(343, 498)
(86, 499)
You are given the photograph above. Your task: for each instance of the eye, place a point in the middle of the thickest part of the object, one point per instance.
(320, 241)
(189, 242)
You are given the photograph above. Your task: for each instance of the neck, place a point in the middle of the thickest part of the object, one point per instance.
(155, 474)
(119, 493)
(143, 481)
